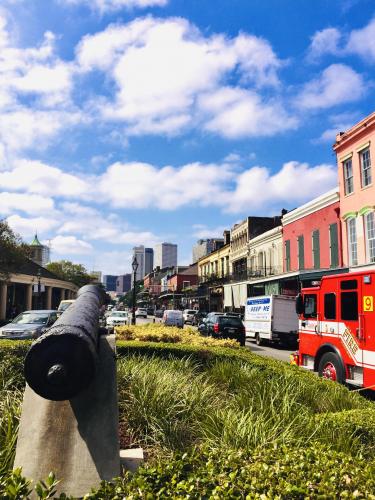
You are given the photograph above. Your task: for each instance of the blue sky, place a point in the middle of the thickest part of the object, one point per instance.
(127, 122)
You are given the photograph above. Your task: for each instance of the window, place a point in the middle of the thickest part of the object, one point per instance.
(301, 252)
(348, 176)
(349, 306)
(316, 249)
(287, 255)
(352, 241)
(330, 306)
(365, 167)
(309, 306)
(370, 236)
(334, 245)
(349, 285)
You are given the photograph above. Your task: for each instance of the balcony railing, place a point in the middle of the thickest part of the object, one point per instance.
(242, 275)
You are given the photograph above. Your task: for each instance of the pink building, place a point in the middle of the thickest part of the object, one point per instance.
(355, 149)
(312, 235)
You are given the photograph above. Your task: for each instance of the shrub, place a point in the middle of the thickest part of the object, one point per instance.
(287, 472)
(159, 333)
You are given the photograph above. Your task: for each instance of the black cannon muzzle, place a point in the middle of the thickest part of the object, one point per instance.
(62, 362)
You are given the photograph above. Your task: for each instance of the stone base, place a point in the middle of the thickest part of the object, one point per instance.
(76, 439)
(131, 459)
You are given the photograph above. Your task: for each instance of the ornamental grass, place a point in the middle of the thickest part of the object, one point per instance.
(156, 332)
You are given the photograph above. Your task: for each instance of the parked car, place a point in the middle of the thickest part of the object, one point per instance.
(199, 317)
(63, 306)
(29, 325)
(117, 318)
(141, 313)
(159, 313)
(221, 326)
(150, 311)
(173, 318)
(188, 315)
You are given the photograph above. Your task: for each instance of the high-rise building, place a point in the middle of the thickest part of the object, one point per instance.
(39, 253)
(205, 247)
(165, 255)
(123, 283)
(139, 254)
(149, 260)
(109, 282)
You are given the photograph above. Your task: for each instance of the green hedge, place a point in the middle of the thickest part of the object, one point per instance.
(284, 472)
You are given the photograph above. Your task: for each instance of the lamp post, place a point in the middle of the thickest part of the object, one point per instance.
(134, 267)
(39, 275)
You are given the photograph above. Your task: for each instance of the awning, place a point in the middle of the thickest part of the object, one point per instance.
(235, 295)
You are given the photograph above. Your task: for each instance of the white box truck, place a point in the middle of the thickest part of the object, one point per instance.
(272, 318)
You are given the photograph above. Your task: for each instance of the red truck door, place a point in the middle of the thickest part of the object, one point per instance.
(351, 319)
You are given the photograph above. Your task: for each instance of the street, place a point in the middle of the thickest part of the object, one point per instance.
(270, 351)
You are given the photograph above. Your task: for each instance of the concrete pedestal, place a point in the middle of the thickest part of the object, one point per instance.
(76, 439)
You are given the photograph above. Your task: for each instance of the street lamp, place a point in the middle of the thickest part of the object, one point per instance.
(134, 267)
(39, 275)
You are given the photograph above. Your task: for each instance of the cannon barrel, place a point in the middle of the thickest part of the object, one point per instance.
(62, 362)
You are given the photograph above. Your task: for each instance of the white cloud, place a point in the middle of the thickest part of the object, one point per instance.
(324, 42)
(113, 5)
(115, 262)
(362, 42)
(141, 185)
(202, 231)
(257, 188)
(238, 113)
(338, 123)
(35, 89)
(70, 245)
(29, 203)
(28, 226)
(166, 71)
(336, 85)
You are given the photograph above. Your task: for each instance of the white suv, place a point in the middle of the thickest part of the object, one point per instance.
(141, 313)
(188, 315)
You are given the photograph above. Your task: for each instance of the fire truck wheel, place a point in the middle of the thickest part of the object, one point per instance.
(331, 367)
(258, 340)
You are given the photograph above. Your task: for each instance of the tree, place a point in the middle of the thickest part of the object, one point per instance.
(127, 299)
(13, 252)
(68, 271)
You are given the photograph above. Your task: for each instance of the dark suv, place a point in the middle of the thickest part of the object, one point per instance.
(221, 326)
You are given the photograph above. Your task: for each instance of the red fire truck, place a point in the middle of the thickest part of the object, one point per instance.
(337, 328)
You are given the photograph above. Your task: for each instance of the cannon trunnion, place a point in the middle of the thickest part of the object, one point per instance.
(63, 361)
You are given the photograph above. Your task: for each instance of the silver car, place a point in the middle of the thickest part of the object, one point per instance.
(28, 325)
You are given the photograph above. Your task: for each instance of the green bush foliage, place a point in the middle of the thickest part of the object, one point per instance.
(283, 472)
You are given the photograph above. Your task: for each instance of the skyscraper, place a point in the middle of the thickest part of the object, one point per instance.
(109, 282)
(165, 255)
(149, 260)
(139, 254)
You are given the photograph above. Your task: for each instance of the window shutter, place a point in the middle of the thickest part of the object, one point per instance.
(287, 255)
(334, 245)
(316, 248)
(301, 252)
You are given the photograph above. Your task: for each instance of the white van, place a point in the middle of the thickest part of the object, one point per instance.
(173, 318)
(272, 318)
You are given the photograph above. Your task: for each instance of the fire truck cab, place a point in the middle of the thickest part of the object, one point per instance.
(337, 328)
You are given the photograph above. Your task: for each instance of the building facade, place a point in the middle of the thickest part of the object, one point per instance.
(123, 283)
(355, 150)
(109, 282)
(240, 236)
(312, 235)
(33, 287)
(205, 247)
(165, 255)
(139, 254)
(149, 260)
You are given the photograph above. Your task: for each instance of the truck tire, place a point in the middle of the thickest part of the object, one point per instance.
(331, 367)
(258, 340)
